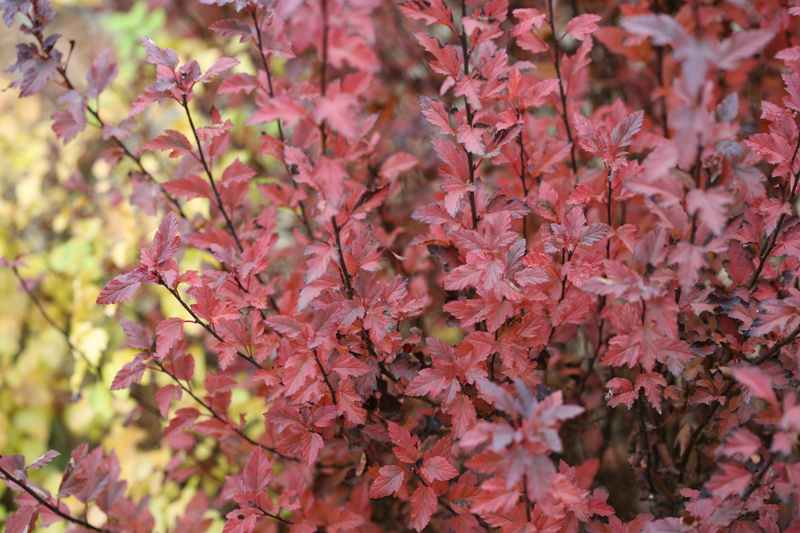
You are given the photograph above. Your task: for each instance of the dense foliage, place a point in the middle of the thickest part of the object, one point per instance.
(483, 266)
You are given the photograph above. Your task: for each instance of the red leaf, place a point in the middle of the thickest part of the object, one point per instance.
(437, 469)
(101, 74)
(739, 264)
(663, 28)
(431, 11)
(621, 392)
(448, 57)
(320, 256)
(183, 418)
(159, 56)
(437, 114)
(238, 82)
(407, 447)
(731, 478)
(472, 138)
(495, 497)
(781, 314)
(711, 205)
(164, 397)
(232, 28)
(396, 164)
(429, 381)
(171, 140)
(651, 383)
(169, 332)
(191, 187)
(464, 415)
(145, 100)
(423, 505)
(67, 126)
(645, 346)
(756, 380)
(740, 442)
(44, 460)
(36, 70)
(121, 289)
(258, 472)
(342, 519)
(312, 443)
(130, 373)
(237, 172)
(625, 132)
(348, 366)
(591, 139)
(166, 240)
(239, 523)
(349, 404)
(138, 337)
(22, 520)
(388, 482)
(581, 26)
(529, 18)
(213, 132)
(340, 112)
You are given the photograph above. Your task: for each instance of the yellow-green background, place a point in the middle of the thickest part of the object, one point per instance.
(71, 243)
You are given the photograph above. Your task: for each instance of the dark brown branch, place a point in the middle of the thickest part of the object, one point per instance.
(756, 483)
(792, 196)
(205, 326)
(464, 48)
(52, 508)
(646, 442)
(562, 93)
(271, 515)
(348, 281)
(323, 71)
(265, 63)
(728, 388)
(520, 116)
(325, 377)
(541, 357)
(216, 415)
(525, 495)
(228, 221)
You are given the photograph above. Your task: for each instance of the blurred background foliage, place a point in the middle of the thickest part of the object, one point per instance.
(66, 212)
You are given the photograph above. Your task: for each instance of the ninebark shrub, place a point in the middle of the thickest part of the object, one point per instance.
(495, 265)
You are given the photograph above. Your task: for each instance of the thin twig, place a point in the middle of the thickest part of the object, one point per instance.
(525, 495)
(52, 322)
(541, 357)
(325, 377)
(728, 388)
(271, 515)
(205, 326)
(323, 71)
(646, 442)
(216, 415)
(52, 508)
(756, 483)
(792, 196)
(348, 281)
(464, 48)
(520, 116)
(562, 93)
(203, 161)
(136, 159)
(271, 90)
